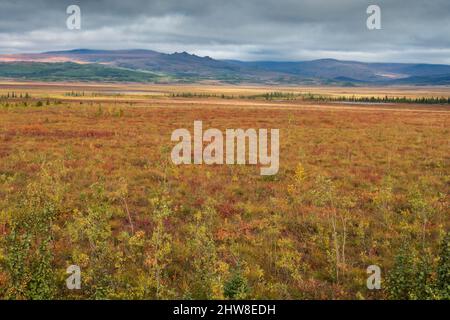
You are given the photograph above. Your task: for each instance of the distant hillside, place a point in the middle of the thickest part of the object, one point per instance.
(443, 79)
(147, 65)
(349, 70)
(71, 71)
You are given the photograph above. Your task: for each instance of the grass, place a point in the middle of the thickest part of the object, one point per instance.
(93, 171)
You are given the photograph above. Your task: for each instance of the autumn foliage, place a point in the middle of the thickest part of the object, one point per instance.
(88, 180)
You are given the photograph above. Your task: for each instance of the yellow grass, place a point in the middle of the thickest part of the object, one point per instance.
(367, 178)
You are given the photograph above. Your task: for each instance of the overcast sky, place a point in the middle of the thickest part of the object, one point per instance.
(412, 30)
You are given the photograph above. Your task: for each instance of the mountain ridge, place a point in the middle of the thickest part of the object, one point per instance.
(183, 66)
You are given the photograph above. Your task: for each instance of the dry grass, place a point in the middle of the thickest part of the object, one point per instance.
(126, 139)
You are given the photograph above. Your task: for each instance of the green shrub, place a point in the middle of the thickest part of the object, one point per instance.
(236, 287)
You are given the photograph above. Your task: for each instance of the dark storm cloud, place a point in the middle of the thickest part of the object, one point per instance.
(414, 30)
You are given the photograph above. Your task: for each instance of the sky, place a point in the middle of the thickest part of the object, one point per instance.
(281, 30)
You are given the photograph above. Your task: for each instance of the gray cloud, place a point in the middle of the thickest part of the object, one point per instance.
(412, 31)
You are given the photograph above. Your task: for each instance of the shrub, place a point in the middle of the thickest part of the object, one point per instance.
(236, 287)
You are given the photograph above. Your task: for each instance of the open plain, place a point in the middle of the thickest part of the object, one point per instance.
(86, 179)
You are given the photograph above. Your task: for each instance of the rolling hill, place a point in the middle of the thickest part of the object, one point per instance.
(63, 71)
(151, 66)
